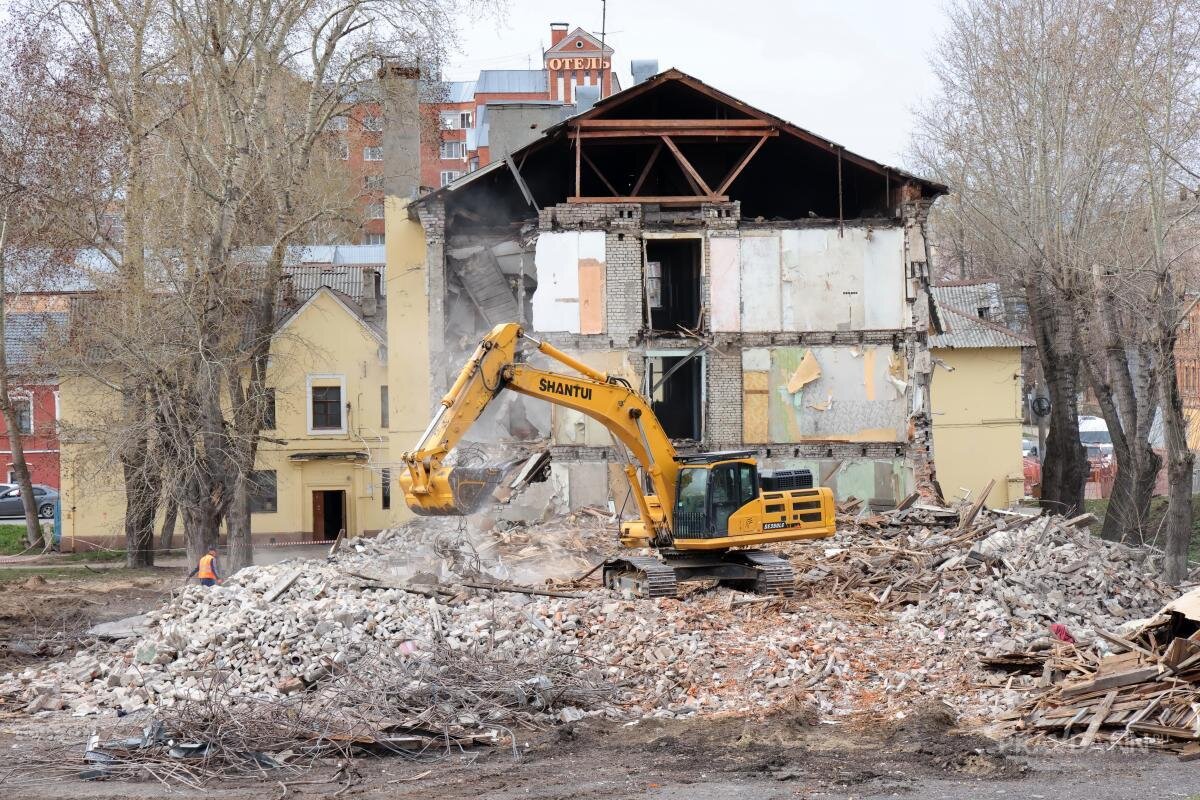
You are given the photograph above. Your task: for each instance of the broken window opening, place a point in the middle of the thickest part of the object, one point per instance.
(672, 283)
(678, 401)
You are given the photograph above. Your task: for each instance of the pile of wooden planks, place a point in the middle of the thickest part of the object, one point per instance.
(1147, 689)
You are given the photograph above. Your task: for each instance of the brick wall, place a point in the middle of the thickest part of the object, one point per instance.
(723, 409)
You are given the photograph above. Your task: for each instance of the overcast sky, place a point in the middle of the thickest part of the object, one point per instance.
(851, 71)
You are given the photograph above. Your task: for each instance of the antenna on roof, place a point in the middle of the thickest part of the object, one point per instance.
(603, 28)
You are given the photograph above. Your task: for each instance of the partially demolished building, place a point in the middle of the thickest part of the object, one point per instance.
(765, 287)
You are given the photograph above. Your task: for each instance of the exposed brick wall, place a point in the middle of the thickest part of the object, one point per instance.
(433, 219)
(723, 425)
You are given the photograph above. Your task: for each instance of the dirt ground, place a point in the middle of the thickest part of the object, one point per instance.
(787, 754)
(781, 756)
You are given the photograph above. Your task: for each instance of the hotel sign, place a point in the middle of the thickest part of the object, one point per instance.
(555, 64)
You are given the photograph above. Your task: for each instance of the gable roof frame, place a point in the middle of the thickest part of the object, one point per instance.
(561, 46)
(337, 297)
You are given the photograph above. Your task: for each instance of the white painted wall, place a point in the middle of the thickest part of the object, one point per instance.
(556, 259)
(850, 282)
(761, 308)
(726, 282)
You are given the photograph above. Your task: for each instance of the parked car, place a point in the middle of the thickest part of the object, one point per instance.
(11, 505)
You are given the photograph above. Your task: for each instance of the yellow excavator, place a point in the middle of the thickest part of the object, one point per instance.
(702, 514)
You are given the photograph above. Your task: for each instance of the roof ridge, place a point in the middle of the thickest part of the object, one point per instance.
(986, 323)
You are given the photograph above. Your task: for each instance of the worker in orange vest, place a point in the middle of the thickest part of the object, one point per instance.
(206, 570)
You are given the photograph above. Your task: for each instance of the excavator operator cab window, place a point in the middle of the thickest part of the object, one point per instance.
(732, 486)
(690, 501)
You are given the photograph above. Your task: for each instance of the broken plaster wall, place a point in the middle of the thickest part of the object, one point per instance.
(853, 297)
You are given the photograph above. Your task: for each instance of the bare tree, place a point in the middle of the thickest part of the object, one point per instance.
(52, 143)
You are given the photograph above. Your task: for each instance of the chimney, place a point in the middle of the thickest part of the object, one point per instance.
(370, 292)
(558, 32)
(643, 68)
(586, 97)
(399, 86)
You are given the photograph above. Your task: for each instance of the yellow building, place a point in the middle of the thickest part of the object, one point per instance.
(322, 466)
(976, 395)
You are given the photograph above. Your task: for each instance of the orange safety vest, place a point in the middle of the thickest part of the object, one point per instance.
(206, 568)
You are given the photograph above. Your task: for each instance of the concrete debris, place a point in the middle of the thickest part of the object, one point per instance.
(897, 607)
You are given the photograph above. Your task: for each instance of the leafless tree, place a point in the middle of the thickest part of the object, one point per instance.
(53, 144)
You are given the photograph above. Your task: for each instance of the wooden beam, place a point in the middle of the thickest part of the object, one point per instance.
(702, 132)
(637, 187)
(578, 152)
(600, 174)
(687, 167)
(682, 199)
(741, 165)
(672, 124)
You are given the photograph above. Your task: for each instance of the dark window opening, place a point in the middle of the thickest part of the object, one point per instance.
(384, 415)
(264, 492)
(268, 420)
(984, 312)
(385, 495)
(326, 407)
(676, 401)
(672, 283)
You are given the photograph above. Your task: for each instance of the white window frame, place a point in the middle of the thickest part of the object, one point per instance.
(457, 149)
(337, 123)
(372, 183)
(26, 396)
(374, 210)
(343, 150)
(372, 123)
(373, 238)
(324, 378)
(466, 119)
(454, 175)
(373, 149)
(449, 120)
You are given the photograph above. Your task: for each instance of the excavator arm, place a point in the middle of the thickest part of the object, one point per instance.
(431, 488)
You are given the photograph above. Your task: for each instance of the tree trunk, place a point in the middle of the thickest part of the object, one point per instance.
(1180, 462)
(1064, 462)
(241, 549)
(201, 526)
(141, 488)
(170, 517)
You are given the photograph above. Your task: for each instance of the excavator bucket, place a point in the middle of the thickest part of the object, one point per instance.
(459, 491)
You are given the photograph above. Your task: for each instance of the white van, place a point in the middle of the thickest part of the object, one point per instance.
(1093, 432)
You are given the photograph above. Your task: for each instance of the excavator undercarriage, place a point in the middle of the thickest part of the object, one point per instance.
(754, 571)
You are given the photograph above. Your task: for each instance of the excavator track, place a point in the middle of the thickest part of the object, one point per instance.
(775, 574)
(645, 576)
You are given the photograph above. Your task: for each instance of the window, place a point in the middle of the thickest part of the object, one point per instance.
(23, 409)
(452, 150)
(337, 124)
(450, 120)
(372, 154)
(984, 312)
(264, 492)
(372, 123)
(464, 119)
(672, 283)
(268, 422)
(372, 183)
(373, 238)
(375, 211)
(341, 149)
(450, 176)
(384, 414)
(326, 408)
(385, 494)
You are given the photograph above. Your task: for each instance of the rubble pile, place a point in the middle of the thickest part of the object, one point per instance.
(996, 586)
(1136, 690)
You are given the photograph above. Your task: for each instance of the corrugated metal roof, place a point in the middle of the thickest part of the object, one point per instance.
(347, 279)
(963, 326)
(493, 81)
(25, 335)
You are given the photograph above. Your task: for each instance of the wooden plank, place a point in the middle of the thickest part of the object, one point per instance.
(600, 175)
(1113, 681)
(728, 133)
(665, 199)
(637, 187)
(693, 176)
(671, 124)
(1098, 718)
(741, 165)
(1122, 642)
(974, 512)
(1190, 752)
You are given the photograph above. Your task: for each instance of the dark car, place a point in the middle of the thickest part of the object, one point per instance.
(11, 506)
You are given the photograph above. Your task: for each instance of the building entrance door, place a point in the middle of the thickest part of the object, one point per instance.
(329, 514)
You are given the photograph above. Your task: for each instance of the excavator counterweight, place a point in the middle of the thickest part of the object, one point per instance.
(700, 513)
